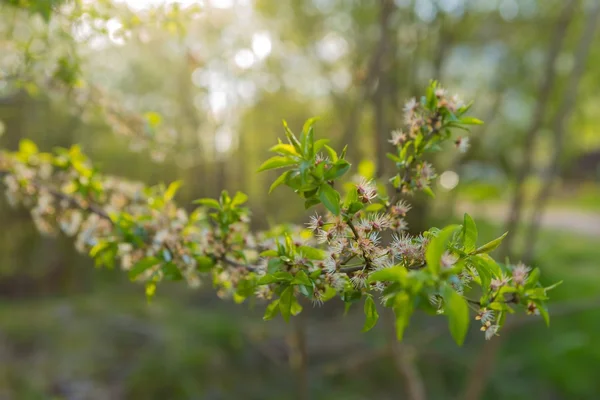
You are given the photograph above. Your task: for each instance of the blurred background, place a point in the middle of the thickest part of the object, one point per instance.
(196, 90)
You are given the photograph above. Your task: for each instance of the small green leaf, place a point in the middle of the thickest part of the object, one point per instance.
(320, 143)
(154, 119)
(150, 290)
(239, 199)
(291, 137)
(28, 147)
(427, 190)
(491, 246)
(313, 201)
(272, 310)
(277, 162)
(437, 247)
(470, 121)
(212, 203)
(392, 274)
(457, 309)
(332, 153)
(533, 278)
(285, 149)
(172, 190)
(280, 180)
(403, 309)
(371, 314)
(469, 233)
(330, 198)
(286, 301)
(308, 136)
(204, 263)
(302, 279)
(337, 170)
(485, 275)
(543, 312)
(312, 253)
(142, 265)
(553, 286)
(269, 253)
(274, 265)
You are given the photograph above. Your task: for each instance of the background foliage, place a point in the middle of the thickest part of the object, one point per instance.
(200, 95)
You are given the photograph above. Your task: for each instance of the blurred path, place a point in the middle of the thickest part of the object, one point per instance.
(583, 222)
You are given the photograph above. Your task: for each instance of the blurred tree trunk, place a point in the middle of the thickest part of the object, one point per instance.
(548, 79)
(370, 80)
(382, 91)
(483, 365)
(559, 127)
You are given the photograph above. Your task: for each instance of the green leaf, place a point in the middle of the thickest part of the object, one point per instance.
(337, 170)
(344, 151)
(319, 144)
(277, 162)
(491, 246)
(98, 248)
(500, 306)
(204, 263)
(171, 272)
(371, 314)
(469, 233)
(172, 190)
(274, 265)
(154, 119)
(553, 286)
(392, 274)
(332, 153)
(470, 121)
(239, 199)
(296, 307)
(312, 253)
(142, 265)
(429, 192)
(286, 301)
(437, 247)
(457, 309)
(269, 253)
(246, 287)
(212, 203)
(150, 290)
(543, 312)
(533, 278)
(302, 279)
(279, 276)
(271, 310)
(485, 275)
(308, 137)
(313, 201)
(403, 309)
(489, 263)
(285, 149)
(28, 147)
(330, 198)
(280, 180)
(291, 137)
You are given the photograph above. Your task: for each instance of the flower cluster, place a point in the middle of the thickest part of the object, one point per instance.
(356, 248)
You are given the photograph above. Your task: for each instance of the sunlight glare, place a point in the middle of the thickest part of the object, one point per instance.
(261, 44)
